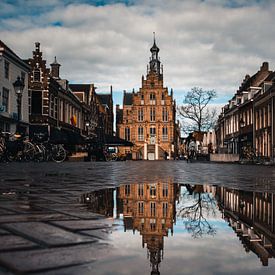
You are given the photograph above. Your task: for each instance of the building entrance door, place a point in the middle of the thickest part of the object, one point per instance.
(151, 156)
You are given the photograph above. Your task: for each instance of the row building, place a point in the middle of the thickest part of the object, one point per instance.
(246, 124)
(148, 116)
(71, 114)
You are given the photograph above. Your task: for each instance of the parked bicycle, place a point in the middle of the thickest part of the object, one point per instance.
(16, 147)
(48, 151)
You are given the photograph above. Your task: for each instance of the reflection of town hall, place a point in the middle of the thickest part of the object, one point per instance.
(150, 209)
(148, 116)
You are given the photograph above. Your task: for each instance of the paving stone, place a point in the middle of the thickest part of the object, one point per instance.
(45, 259)
(14, 242)
(3, 232)
(102, 234)
(33, 217)
(80, 214)
(47, 234)
(5, 211)
(83, 224)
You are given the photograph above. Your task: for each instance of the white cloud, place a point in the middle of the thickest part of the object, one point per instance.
(202, 43)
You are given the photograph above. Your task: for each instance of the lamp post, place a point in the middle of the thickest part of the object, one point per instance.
(18, 88)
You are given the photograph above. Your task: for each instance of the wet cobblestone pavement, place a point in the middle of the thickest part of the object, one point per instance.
(48, 225)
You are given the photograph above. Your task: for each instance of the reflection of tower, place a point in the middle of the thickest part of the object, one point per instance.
(149, 209)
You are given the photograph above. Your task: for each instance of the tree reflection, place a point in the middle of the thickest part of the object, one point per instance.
(197, 210)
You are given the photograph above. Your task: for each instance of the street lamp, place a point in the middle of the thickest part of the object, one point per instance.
(18, 88)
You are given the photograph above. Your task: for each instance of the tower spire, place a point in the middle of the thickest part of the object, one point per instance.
(154, 60)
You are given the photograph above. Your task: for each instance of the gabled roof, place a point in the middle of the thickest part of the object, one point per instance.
(80, 87)
(105, 98)
(271, 77)
(128, 99)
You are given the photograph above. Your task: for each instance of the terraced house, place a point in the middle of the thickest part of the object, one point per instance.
(247, 123)
(147, 118)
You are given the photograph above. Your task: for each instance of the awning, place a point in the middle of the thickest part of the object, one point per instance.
(58, 135)
(74, 138)
(116, 141)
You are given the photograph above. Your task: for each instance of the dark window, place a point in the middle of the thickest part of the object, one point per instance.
(140, 114)
(162, 96)
(127, 190)
(142, 96)
(140, 134)
(140, 190)
(7, 69)
(165, 190)
(153, 190)
(152, 114)
(36, 75)
(140, 208)
(152, 96)
(152, 131)
(153, 209)
(36, 102)
(164, 133)
(5, 99)
(164, 209)
(164, 114)
(127, 133)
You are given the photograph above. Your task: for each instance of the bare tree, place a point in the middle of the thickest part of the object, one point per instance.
(196, 214)
(195, 111)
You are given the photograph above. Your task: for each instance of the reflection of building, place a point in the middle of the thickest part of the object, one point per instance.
(148, 116)
(150, 209)
(100, 201)
(252, 216)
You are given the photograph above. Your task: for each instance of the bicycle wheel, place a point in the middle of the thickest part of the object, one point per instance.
(11, 156)
(39, 153)
(28, 151)
(58, 153)
(2, 152)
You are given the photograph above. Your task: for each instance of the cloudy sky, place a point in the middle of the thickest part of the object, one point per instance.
(212, 44)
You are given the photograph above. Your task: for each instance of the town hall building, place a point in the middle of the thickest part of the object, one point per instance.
(148, 116)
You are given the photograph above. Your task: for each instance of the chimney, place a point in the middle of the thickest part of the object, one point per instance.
(111, 89)
(264, 66)
(55, 69)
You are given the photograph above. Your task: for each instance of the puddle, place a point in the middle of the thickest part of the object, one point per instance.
(167, 228)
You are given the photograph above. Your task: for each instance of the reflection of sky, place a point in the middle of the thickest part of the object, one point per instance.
(222, 253)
